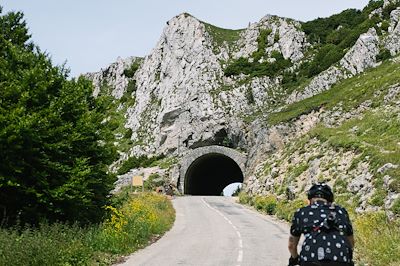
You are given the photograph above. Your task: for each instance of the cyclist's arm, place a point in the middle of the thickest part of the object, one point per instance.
(351, 240)
(293, 241)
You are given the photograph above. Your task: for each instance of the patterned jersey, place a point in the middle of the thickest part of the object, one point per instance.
(325, 228)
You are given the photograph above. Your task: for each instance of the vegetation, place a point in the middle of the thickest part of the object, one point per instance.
(219, 36)
(153, 181)
(53, 144)
(136, 162)
(330, 37)
(266, 204)
(334, 35)
(130, 72)
(374, 136)
(348, 94)
(165, 162)
(259, 66)
(132, 222)
(379, 144)
(377, 239)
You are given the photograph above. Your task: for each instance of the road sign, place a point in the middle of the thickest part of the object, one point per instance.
(137, 181)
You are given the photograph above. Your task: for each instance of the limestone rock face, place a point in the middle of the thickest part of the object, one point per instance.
(285, 36)
(182, 100)
(112, 78)
(175, 106)
(392, 41)
(363, 54)
(360, 57)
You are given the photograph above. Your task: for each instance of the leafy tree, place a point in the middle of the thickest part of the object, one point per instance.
(53, 145)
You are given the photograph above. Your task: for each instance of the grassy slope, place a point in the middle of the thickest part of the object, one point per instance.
(376, 137)
(350, 93)
(220, 35)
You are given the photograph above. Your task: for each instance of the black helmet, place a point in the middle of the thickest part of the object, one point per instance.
(320, 190)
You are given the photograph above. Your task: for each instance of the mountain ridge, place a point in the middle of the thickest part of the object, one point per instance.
(202, 85)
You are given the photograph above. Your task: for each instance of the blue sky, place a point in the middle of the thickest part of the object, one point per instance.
(91, 34)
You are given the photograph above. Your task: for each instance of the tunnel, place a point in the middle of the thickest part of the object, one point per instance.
(210, 173)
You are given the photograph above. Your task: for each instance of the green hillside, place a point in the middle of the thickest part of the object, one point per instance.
(359, 147)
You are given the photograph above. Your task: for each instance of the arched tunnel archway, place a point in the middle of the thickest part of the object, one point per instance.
(210, 174)
(208, 170)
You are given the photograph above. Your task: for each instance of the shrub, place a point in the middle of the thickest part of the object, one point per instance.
(378, 198)
(240, 65)
(136, 162)
(153, 181)
(261, 44)
(286, 208)
(326, 56)
(266, 203)
(396, 207)
(249, 95)
(128, 133)
(395, 185)
(384, 54)
(130, 72)
(385, 25)
(244, 198)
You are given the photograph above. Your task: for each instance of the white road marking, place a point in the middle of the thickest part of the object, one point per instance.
(240, 253)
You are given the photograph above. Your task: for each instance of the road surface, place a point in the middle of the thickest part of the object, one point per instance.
(217, 231)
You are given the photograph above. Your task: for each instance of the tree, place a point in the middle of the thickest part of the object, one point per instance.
(53, 145)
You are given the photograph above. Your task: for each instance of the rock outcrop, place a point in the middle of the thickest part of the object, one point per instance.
(112, 79)
(359, 58)
(183, 100)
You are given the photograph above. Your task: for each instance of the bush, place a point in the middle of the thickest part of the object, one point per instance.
(240, 65)
(384, 54)
(266, 203)
(136, 162)
(130, 226)
(287, 208)
(245, 198)
(326, 56)
(56, 244)
(378, 198)
(396, 207)
(395, 185)
(319, 29)
(130, 72)
(153, 181)
(385, 25)
(134, 223)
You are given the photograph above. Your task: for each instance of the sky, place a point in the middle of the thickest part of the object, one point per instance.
(88, 35)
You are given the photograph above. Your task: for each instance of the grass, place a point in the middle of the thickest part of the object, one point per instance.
(220, 35)
(165, 163)
(349, 93)
(376, 137)
(132, 223)
(377, 240)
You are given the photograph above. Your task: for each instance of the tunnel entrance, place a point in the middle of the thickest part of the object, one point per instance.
(210, 173)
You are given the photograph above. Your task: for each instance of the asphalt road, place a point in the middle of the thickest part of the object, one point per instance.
(217, 231)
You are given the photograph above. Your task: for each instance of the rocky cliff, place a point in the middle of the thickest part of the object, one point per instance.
(202, 85)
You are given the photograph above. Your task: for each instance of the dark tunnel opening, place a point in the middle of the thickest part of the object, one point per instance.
(210, 174)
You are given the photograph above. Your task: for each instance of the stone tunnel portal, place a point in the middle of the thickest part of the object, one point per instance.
(210, 173)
